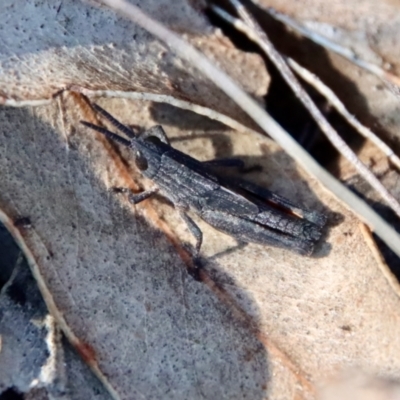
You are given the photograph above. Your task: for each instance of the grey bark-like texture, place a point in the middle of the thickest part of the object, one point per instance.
(56, 46)
(260, 323)
(34, 360)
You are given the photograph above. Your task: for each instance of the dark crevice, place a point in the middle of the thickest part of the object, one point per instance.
(11, 394)
(9, 252)
(239, 40)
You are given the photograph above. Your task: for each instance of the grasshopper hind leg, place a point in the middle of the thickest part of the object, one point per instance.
(281, 202)
(246, 230)
(194, 230)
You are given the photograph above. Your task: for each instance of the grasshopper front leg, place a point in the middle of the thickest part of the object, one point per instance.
(136, 198)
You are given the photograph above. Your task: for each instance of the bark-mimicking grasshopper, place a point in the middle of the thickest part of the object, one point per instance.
(239, 208)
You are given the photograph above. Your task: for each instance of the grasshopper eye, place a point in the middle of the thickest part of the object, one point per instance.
(140, 161)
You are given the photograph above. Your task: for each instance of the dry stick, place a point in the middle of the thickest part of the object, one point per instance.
(264, 120)
(335, 47)
(328, 93)
(313, 80)
(263, 41)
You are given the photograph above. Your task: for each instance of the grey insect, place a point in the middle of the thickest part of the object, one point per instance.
(239, 208)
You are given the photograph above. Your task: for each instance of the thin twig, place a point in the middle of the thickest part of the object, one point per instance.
(264, 120)
(14, 274)
(24, 103)
(381, 262)
(313, 80)
(335, 47)
(261, 38)
(328, 93)
(236, 23)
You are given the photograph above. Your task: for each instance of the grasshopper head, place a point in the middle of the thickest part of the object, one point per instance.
(147, 155)
(148, 150)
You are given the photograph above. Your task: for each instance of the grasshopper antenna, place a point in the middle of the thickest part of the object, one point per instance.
(113, 121)
(107, 133)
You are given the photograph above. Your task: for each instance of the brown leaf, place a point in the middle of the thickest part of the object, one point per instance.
(262, 322)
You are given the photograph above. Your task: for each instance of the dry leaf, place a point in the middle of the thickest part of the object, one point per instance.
(33, 359)
(262, 322)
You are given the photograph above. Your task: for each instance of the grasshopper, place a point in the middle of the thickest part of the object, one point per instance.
(239, 208)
